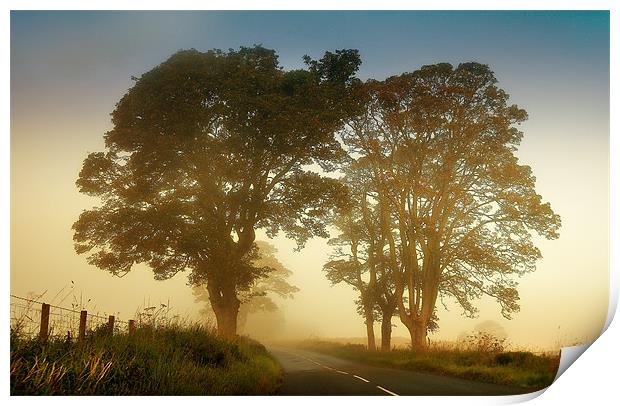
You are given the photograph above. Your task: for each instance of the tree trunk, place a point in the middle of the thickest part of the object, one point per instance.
(386, 332)
(370, 332)
(226, 317)
(225, 305)
(418, 336)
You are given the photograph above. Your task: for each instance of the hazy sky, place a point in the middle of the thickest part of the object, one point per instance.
(68, 69)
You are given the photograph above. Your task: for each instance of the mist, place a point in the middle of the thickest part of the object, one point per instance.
(55, 122)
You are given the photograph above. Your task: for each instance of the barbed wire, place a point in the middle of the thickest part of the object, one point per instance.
(63, 320)
(51, 305)
(62, 308)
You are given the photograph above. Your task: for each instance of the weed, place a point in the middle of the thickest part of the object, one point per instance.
(154, 360)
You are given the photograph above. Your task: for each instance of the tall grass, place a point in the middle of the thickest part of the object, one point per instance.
(478, 362)
(163, 360)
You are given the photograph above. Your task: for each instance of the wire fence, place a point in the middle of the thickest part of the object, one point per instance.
(35, 318)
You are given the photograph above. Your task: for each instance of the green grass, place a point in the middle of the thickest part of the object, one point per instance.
(522, 369)
(171, 360)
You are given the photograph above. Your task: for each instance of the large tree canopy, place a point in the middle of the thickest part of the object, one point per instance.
(206, 148)
(439, 147)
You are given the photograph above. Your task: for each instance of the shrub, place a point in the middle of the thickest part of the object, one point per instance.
(518, 358)
(482, 341)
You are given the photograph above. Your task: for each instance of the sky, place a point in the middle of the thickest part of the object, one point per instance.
(68, 69)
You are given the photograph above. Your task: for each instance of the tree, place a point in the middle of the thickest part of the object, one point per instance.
(351, 267)
(359, 259)
(440, 143)
(206, 148)
(382, 292)
(259, 297)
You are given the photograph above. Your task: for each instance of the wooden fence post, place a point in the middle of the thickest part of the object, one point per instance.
(82, 331)
(111, 324)
(132, 326)
(45, 322)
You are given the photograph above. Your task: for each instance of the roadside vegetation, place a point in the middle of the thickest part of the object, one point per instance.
(482, 358)
(171, 360)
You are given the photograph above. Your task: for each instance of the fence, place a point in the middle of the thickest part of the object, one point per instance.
(33, 318)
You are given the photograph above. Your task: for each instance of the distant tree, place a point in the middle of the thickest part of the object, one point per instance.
(259, 297)
(440, 144)
(206, 148)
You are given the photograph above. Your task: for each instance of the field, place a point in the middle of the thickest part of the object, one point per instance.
(171, 360)
(517, 368)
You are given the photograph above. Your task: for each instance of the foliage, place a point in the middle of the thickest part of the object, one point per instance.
(435, 149)
(207, 147)
(174, 360)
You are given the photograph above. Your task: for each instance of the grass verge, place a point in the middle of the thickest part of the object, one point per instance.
(151, 361)
(517, 368)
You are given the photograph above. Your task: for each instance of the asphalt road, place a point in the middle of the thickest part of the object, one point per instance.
(313, 373)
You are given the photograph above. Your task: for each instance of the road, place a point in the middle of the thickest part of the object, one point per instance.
(313, 373)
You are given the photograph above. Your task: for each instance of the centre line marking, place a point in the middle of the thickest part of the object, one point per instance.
(313, 361)
(388, 391)
(341, 372)
(359, 377)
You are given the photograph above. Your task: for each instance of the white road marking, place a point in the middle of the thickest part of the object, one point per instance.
(311, 360)
(388, 391)
(346, 373)
(341, 372)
